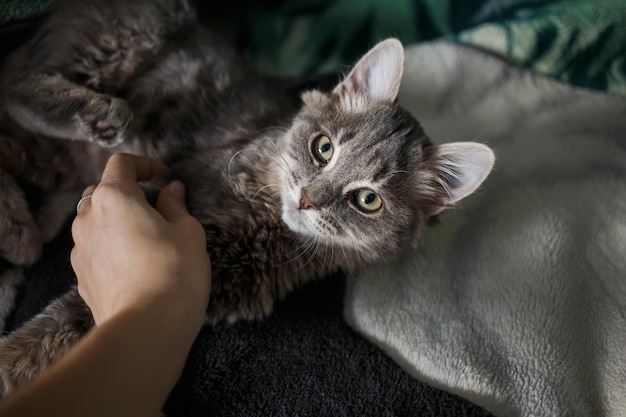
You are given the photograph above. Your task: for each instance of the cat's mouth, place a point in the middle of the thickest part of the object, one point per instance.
(302, 221)
(296, 219)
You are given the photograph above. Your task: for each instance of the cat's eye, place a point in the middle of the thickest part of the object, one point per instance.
(367, 200)
(322, 149)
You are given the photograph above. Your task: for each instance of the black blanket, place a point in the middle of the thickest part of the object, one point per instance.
(301, 361)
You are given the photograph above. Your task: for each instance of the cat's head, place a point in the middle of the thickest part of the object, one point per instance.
(358, 170)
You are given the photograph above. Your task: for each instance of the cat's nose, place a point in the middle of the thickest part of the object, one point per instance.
(306, 202)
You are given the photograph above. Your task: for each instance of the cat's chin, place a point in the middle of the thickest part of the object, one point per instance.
(297, 221)
(303, 223)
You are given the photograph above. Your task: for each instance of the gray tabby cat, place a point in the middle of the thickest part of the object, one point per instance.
(287, 188)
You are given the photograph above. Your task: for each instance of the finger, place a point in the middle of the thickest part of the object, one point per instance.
(171, 201)
(89, 190)
(74, 258)
(85, 200)
(83, 203)
(127, 167)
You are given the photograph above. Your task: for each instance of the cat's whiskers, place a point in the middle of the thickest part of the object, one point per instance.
(323, 267)
(310, 247)
(280, 155)
(345, 256)
(313, 253)
(303, 246)
(265, 171)
(232, 159)
(400, 171)
(264, 187)
(382, 257)
(271, 129)
(256, 148)
(332, 256)
(270, 199)
(274, 151)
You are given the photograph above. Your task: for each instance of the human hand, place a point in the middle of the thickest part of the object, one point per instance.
(129, 255)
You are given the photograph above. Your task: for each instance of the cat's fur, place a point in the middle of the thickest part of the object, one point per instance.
(145, 77)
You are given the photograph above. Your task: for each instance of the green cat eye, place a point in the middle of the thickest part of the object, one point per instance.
(367, 200)
(322, 149)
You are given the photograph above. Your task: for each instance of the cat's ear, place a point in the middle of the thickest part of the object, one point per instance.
(459, 169)
(376, 76)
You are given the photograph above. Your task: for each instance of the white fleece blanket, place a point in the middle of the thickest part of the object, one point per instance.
(517, 300)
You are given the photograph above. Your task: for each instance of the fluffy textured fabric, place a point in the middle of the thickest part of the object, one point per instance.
(517, 300)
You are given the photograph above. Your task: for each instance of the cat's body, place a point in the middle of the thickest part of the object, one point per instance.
(286, 191)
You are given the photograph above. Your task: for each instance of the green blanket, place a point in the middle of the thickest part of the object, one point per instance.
(17, 12)
(582, 42)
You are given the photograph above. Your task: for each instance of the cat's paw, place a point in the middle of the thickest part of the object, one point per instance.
(43, 340)
(106, 120)
(20, 237)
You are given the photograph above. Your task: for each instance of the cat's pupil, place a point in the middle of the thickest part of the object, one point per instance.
(323, 149)
(368, 201)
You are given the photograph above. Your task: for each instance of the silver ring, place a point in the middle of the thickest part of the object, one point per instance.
(81, 201)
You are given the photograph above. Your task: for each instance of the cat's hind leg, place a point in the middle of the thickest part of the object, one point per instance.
(11, 279)
(20, 238)
(34, 347)
(51, 105)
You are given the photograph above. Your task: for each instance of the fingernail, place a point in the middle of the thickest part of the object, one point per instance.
(178, 189)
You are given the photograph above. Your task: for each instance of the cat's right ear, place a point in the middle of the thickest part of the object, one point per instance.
(459, 168)
(375, 78)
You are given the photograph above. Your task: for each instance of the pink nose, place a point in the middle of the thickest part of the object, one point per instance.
(305, 202)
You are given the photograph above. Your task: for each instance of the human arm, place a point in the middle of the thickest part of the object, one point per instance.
(145, 275)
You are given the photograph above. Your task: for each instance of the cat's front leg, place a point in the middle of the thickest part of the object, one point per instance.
(50, 105)
(43, 340)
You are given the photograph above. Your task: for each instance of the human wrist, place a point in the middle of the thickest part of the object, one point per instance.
(184, 293)
(140, 328)
(173, 314)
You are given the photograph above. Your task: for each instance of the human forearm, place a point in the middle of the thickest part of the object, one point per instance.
(125, 367)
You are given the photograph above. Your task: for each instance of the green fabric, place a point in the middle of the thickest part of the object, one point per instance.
(582, 42)
(13, 12)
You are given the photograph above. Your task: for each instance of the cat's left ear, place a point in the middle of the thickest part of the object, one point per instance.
(377, 75)
(459, 169)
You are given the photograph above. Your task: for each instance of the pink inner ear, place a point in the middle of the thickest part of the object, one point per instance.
(378, 73)
(463, 166)
(358, 79)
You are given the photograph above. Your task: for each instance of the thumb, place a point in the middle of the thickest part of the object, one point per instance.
(171, 201)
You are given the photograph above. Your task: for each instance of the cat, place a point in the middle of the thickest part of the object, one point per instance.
(288, 187)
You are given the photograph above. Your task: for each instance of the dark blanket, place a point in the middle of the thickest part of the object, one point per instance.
(303, 360)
